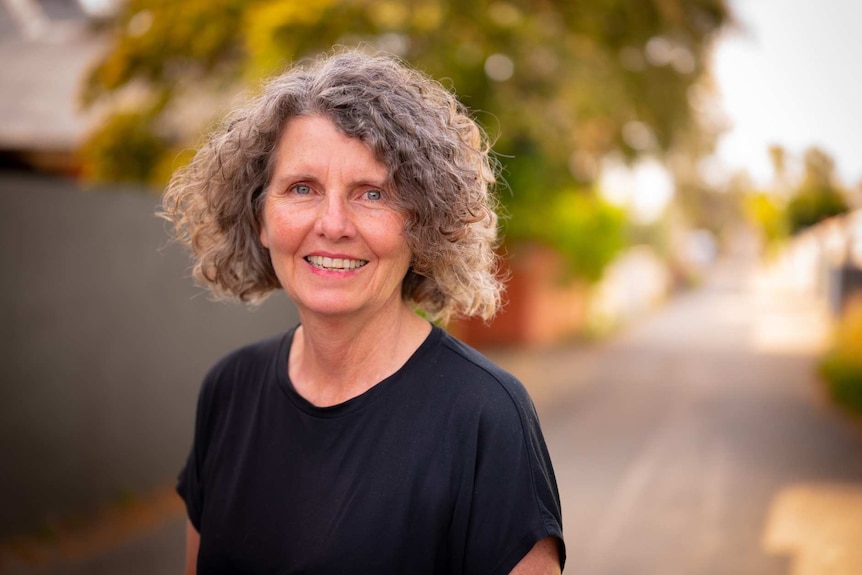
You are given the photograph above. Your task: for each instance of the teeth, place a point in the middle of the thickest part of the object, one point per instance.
(335, 263)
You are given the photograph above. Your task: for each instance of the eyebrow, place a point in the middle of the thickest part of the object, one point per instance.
(279, 180)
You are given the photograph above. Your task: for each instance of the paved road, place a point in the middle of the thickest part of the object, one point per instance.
(697, 442)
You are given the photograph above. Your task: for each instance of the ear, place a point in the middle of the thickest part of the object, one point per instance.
(263, 235)
(259, 204)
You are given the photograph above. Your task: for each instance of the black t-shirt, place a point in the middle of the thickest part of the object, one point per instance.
(439, 468)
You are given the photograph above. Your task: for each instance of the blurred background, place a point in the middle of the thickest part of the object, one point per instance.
(683, 192)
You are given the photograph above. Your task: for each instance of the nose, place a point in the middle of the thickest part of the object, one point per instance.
(335, 220)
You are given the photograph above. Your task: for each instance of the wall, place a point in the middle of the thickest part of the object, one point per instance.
(104, 340)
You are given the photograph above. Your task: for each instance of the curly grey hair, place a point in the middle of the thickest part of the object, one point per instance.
(437, 157)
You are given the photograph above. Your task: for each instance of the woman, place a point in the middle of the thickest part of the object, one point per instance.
(365, 439)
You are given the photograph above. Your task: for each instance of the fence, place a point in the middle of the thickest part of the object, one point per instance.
(104, 340)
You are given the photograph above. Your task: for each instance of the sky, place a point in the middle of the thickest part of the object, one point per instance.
(792, 77)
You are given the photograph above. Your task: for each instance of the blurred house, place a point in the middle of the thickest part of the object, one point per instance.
(825, 260)
(46, 47)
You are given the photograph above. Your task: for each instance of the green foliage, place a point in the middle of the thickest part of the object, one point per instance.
(166, 45)
(587, 231)
(579, 71)
(766, 213)
(124, 149)
(842, 365)
(818, 197)
(812, 205)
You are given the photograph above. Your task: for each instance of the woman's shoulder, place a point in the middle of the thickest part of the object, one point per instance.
(247, 363)
(482, 380)
(473, 357)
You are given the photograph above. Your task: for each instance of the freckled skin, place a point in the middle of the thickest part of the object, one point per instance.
(329, 197)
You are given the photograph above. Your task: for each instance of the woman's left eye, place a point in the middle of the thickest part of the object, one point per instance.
(374, 195)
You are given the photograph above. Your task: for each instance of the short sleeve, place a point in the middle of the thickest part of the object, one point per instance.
(190, 481)
(513, 500)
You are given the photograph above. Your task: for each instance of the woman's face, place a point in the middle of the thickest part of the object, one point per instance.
(336, 241)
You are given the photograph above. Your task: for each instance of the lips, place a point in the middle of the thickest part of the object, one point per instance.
(335, 264)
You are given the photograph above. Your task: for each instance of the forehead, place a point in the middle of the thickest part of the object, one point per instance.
(315, 144)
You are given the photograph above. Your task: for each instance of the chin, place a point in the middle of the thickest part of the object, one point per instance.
(329, 308)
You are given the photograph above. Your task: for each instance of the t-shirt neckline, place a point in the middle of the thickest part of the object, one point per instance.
(355, 403)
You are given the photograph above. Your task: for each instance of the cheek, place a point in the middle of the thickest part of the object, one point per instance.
(400, 251)
(393, 237)
(278, 232)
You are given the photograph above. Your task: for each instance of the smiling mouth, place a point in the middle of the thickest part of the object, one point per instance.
(335, 264)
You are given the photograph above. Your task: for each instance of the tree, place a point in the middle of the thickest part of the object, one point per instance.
(558, 84)
(818, 196)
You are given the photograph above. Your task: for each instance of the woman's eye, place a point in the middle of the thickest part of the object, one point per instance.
(301, 189)
(374, 195)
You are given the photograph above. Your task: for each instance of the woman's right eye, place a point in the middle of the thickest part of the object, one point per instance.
(301, 189)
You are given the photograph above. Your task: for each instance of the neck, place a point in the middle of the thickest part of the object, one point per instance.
(333, 360)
